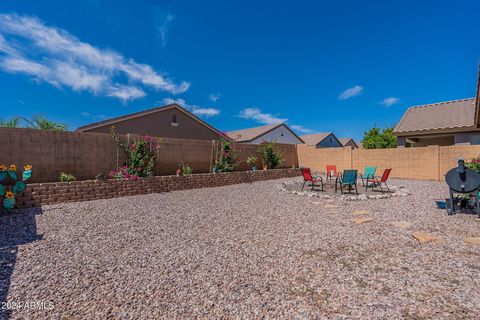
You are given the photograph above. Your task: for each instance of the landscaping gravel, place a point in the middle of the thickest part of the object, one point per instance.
(242, 251)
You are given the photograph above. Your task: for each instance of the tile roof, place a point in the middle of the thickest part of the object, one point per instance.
(251, 133)
(456, 115)
(315, 138)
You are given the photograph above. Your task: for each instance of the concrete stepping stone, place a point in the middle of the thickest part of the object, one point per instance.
(361, 220)
(472, 240)
(332, 206)
(401, 224)
(424, 237)
(360, 212)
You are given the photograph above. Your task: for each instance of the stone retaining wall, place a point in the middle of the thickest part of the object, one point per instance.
(38, 194)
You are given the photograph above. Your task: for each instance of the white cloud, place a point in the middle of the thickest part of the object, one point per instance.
(301, 129)
(196, 110)
(390, 101)
(214, 97)
(351, 92)
(162, 25)
(52, 55)
(257, 115)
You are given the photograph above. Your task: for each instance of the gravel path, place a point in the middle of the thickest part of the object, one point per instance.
(242, 251)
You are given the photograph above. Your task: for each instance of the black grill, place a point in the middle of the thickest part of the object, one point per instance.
(462, 180)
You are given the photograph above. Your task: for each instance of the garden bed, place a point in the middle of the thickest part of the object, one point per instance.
(38, 194)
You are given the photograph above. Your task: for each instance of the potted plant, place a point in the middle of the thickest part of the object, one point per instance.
(251, 161)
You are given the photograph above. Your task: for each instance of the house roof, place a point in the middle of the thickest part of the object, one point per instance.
(315, 138)
(449, 116)
(344, 141)
(112, 121)
(477, 105)
(250, 134)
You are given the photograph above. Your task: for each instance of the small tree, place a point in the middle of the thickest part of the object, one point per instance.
(269, 154)
(377, 138)
(226, 158)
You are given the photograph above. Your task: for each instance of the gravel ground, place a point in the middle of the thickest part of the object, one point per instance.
(242, 251)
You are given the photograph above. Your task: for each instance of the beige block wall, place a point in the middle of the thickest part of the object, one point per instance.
(317, 159)
(423, 163)
(87, 154)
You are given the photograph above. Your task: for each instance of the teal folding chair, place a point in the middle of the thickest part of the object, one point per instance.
(348, 179)
(368, 173)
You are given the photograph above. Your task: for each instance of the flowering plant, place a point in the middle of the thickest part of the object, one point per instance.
(226, 158)
(473, 164)
(141, 155)
(123, 174)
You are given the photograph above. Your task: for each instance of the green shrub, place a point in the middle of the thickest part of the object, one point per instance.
(66, 177)
(269, 154)
(226, 158)
(251, 161)
(185, 169)
(473, 164)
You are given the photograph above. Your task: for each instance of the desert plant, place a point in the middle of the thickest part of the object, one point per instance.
(66, 177)
(269, 154)
(251, 161)
(226, 158)
(141, 155)
(185, 169)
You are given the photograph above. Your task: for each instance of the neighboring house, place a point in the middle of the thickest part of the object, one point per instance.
(455, 122)
(349, 142)
(279, 133)
(170, 121)
(444, 124)
(322, 140)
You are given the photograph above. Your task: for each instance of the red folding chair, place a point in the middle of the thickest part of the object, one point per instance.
(332, 172)
(309, 178)
(372, 183)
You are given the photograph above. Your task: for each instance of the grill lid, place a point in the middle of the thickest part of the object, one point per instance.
(461, 179)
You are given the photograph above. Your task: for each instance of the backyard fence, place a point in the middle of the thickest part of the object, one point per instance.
(85, 155)
(424, 163)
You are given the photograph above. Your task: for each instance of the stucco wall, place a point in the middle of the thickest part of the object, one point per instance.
(280, 135)
(159, 124)
(329, 142)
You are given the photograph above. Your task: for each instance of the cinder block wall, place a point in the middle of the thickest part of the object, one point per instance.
(87, 154)
(424, 163)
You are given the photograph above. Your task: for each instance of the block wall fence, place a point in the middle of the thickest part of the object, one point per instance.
(424, 163)
(85, 155)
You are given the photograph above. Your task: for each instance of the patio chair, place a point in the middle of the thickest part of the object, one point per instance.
(349, 179)
(313, 181)
(372, 183)
(368, 173)
(332, 172)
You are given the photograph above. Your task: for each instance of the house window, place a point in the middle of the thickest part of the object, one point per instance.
(281, 133)
(174, 122)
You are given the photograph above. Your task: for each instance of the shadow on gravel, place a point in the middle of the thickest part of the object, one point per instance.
(16, 228)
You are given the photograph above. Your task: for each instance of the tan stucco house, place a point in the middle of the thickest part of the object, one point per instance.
(445, 123)
(170, 121)
(322, 140)
(278, 132)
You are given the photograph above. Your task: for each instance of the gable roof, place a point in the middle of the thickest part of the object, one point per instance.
(112, 121)
(344, 141)
(250, 134)
(449, 116)
(316, 138)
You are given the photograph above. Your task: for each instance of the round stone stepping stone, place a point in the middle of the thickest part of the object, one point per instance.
(401, 224)
(424, 237)
(361, 220)
(359, 212)
(472, 240)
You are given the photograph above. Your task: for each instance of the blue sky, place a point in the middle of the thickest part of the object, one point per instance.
(340, 66)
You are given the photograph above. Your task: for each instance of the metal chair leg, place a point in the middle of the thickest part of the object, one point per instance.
(303, 186)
